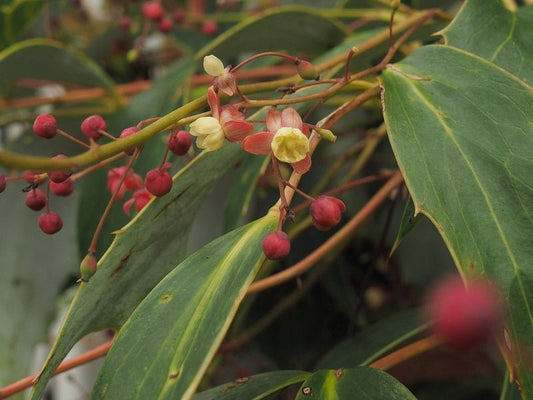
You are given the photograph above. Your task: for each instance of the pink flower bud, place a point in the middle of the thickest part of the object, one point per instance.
(179, 142)
(306, 70)
(62, 188)
(58, 176)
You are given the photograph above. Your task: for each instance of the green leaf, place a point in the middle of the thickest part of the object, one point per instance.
(407, 224)
(185, 318)
(297, 29)
(142, 253)
(374, 342)
(241, 191)
(15, 16)
(488, 29)
(354, 383)
(255, 387)
(56, 62)
(460, 127)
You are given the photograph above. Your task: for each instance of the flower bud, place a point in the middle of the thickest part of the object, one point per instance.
(326, 134)
(306, 70)
(88, 267)
(213, 66)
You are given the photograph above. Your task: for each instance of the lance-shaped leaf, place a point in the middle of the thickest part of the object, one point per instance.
(298, 29)
(460, 126)
(354, 383)
(15, 16)
(141, 254)
(56, 62)
(254, 387)
(164, 348)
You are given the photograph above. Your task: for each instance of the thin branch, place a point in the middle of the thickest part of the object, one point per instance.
(336, 240)
(84, 358)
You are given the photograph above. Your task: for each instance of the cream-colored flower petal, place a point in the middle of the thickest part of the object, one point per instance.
(290, 145)
(213, 66)
(211, 142)
(205, 126)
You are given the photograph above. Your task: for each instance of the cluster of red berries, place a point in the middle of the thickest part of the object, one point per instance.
(326, 212)
(157, 181)
(153, 11)
(464, 316)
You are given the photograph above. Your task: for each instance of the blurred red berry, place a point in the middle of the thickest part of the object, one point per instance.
(276, 245)
(35, 199)
(62, 188)
(2, 182)
(164, 25)
(464, 316)
(45, 126)
(50, 222)
(91, 125)
(179, 16)
(326, 212)
(158, 181)
(58, 176)
(128, 132)
(210, 28)
(153, 10)
(125, 23)
(179, 142)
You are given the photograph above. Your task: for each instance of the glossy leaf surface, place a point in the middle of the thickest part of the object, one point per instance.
(254, 387)
(142, 253)
(459, 121)
(19, 60)
(192, 308)
(354, 383)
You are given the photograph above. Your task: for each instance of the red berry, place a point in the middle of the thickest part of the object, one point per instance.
(158, 181)
(2, 182)
(179, 142)
(45, 126)
(210, 28)
(165, 25)
(276, 245)
(62, 188)
(153, 10)
(125, 23)
(50, 222)
(35, 199)
(91, 125)
(128, 132)
(59, 176)
(465, 317)
(326, 212)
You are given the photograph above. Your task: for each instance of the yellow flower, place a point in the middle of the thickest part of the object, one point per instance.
(290, 145)
(208, 132)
